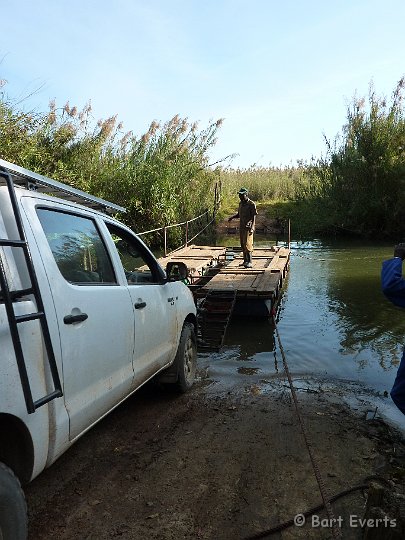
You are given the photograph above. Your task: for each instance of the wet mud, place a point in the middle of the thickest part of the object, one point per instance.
(224, 461)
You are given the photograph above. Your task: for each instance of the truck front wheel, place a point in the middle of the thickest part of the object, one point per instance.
(13, 508)
(186, 358)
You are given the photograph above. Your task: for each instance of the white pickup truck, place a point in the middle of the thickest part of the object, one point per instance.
(87, 316)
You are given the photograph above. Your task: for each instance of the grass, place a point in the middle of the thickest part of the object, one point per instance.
(308, 217)
(264, 183)
(278, 193)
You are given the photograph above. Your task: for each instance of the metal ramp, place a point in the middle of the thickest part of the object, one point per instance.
(213, 314)
(9, 297)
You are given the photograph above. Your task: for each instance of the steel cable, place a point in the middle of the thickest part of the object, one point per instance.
(322, 488)
(290, 522)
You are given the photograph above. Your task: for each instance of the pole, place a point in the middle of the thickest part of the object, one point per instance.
(289, 233)
(165, 240)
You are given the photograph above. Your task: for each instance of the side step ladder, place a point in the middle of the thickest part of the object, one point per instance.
(213, 315)
(10, 296)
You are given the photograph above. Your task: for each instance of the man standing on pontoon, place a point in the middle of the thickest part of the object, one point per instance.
(247, 214)
(393, 286)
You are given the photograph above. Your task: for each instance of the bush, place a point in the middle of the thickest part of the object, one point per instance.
(161, 177)
(363, 174)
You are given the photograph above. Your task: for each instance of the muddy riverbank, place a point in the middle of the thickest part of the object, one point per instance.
(212, 464)
(228, 459)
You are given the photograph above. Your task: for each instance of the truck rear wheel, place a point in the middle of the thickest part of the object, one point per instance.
(186, 358)
(13, 508)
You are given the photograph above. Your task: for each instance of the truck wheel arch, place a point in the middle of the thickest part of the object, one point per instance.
(16, 447)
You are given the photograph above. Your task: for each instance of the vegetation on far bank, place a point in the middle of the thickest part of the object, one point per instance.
(356, 188)
(160, 177)
(163, 176)
(278, 193)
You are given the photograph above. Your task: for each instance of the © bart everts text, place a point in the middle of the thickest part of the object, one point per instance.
(354, 522)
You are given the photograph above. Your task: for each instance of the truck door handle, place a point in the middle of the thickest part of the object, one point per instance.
(71, 319)
(140, 305)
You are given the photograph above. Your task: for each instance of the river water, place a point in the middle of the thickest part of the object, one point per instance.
(334, 322)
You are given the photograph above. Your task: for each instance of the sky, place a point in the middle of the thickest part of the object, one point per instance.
(280, 74)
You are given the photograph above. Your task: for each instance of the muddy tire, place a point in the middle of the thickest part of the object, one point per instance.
(13, 508)
(185, 362)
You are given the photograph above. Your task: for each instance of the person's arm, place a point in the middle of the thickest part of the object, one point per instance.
(252, 222)
(235, 215)
(392, 282)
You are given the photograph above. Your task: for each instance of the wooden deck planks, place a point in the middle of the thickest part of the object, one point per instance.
(197, 257)
(263, 280)
(273, 263)
(250, 283)
(270, 282)
(281, 266)
(283, 252)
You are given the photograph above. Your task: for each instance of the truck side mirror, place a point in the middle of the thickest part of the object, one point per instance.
(176, 271)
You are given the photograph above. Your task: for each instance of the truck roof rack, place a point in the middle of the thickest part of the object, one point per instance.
(36, 182)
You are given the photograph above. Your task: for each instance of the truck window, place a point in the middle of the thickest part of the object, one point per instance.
(138, 264)
(77, 247)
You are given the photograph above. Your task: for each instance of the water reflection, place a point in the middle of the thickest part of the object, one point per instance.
(251, 336)
(365, 318)
(334, 320)
(255, 342)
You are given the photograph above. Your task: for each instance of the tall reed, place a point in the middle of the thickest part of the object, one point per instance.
(161, 177)
(265, 183)
(363, 172)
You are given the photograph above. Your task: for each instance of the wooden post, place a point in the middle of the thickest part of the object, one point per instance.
(165, 240)
(289, 233)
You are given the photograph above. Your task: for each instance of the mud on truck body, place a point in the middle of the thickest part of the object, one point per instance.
(87, 316)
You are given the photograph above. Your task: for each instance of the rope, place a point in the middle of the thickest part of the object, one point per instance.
(190, 240)
(290, 522)
(174, 224)
(324, 494)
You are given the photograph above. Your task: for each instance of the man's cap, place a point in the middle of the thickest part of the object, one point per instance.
(242, 191)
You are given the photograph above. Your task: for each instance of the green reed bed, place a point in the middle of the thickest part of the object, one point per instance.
(264, 184)
(160, 177)
(163, 176)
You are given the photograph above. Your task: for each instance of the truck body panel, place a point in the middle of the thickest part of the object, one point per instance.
(112, 325)
(97, 364)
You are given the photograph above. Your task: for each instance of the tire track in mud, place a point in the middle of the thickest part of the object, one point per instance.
(202, 466)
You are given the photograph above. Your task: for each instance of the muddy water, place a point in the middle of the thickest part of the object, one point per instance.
(334, 322)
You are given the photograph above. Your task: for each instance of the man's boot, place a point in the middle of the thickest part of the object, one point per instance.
(249, 260)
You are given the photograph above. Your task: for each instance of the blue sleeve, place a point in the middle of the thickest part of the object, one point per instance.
(392, 282)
